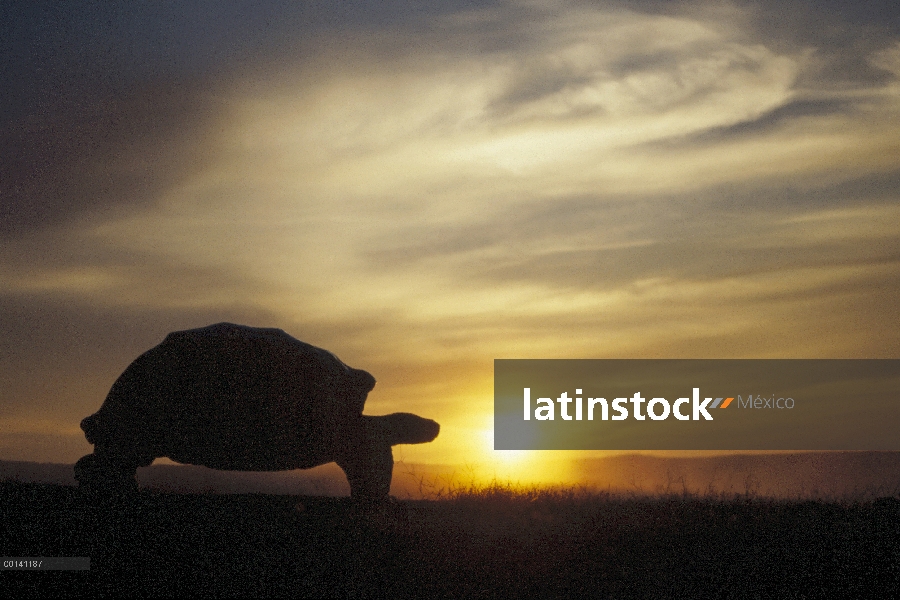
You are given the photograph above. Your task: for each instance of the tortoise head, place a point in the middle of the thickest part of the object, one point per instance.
(405, 428)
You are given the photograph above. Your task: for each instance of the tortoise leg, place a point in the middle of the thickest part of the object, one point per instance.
(369, 463)
(109, 473)
(369, 467)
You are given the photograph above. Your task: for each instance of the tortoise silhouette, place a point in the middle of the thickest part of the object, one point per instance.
(234, 397)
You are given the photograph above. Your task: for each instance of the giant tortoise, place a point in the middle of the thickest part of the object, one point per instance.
(234, 397)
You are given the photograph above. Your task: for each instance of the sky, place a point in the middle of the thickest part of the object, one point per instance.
(423, 187)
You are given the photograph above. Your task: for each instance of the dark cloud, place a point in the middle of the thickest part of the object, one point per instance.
(842, 34)
(825, 19)
(797, 19)
(105, 105)
(100, 110)
(537, 84)
(84, 154)
(766, 123)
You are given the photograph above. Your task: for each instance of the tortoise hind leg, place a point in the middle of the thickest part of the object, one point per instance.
(108, 473)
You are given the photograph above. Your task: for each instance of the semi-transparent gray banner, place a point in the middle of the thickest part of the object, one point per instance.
(45, 563)
(662, 404)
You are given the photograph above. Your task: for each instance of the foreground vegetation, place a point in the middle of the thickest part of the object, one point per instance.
(492, 541)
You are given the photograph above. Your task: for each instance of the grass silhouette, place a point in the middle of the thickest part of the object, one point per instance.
(494, 540)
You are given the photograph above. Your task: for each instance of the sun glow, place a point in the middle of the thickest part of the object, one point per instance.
(515, 467)
(505, 457)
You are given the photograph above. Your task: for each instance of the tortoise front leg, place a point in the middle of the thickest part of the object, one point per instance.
(109, 473)
(369, 468)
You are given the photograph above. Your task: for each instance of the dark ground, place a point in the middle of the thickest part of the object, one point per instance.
(491, 543)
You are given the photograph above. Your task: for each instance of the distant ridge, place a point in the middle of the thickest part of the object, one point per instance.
(327, 480)
(813, 475)
(55, 473)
